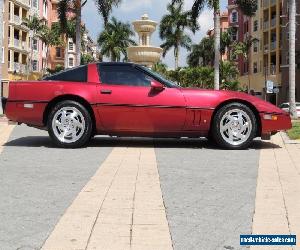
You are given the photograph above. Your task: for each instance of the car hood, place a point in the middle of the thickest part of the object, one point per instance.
(213, 98)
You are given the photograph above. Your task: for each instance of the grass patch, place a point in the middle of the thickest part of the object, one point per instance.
(294, 132)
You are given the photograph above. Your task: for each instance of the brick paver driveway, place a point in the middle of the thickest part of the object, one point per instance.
(137, 193)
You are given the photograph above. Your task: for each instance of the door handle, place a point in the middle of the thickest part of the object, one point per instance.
(106, 91)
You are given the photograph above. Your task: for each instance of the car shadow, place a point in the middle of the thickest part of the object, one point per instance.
(105, 141)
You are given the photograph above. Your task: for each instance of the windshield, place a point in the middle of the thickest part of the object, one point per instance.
(159, 77)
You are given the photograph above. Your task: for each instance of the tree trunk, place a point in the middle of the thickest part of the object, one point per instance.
(31, 57)
(176, 55)
(217, 49)
(46, 60)
(292, 55)
(249, 80)
(66, 52)
(78, 32)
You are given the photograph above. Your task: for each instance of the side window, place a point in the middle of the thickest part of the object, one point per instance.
(78, 74)
(123, 75)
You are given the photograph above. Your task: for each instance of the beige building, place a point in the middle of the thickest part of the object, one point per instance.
(265, 55)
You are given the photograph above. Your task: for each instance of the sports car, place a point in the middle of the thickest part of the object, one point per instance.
(125, 99)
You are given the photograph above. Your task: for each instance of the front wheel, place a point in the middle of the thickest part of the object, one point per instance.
(234, 126)
(69, 124)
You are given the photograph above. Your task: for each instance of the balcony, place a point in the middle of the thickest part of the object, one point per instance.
(272, 69)
(17, 20)
(18, 44)
(273, 22)
(266, 3)
(25, 3)
(19, 68)
(266, 48)
(273, 45)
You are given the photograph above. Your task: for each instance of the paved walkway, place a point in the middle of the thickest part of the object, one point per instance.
(277, 205)
(121, 206)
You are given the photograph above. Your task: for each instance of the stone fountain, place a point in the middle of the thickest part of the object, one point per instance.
(144, 53)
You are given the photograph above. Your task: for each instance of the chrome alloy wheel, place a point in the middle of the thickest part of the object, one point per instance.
(68, 124)
(235, 126)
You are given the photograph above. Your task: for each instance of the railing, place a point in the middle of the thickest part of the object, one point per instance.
(24, 45)
(18, 68)
(266, 3)
(16, 43)
(266, 25)
(17, 20)
(24, 2)
(273, 45)
(273, 22)
(272, 69)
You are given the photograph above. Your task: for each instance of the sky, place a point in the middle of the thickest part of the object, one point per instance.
(130, 10)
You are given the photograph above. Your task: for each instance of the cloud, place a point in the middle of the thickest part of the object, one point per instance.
(130, 10)
(132, 5)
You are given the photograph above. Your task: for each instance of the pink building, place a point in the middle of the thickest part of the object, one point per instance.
(223, 28)
(241, 28)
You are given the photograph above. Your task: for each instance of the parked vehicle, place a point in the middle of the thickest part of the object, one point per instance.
(286, 107)
(125, 99)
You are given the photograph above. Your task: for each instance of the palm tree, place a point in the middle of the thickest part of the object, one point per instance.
(160, 68)
(115, 39)
(34, 24)
(172, 28)
(229, 74)
(292, 56)
(243, 49)
(64, 7)
(202, 53)
(247, 6)
(50, 37)
(176, 40)
(105, 8)
(226, 41)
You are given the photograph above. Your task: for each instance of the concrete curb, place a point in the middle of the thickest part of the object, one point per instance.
(287, 140)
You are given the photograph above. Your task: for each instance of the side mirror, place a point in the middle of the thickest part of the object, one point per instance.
(157, 86)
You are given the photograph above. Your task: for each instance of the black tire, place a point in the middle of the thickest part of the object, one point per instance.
(86, 130)
(216, 132)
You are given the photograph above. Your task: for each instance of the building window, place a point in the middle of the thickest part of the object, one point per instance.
(45, 8)
(58, 52)
(245, 68)
(246, 27)
(34, 65)
(234, 16)
(35, 3)
(255, 46)
(255, 68)
(234, 35)
(71, 62)
(2, 54)
(34, 44)
(71, 46)
(255, 26)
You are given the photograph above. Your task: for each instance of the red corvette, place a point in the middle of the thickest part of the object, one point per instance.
(125, 99)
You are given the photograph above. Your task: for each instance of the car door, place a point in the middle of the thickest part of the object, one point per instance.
(126, 102)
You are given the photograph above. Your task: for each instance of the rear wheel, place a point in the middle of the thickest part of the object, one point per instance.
(69, 124)
(234, 126)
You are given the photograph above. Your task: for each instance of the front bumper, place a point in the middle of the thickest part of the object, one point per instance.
(282, 122)
(3, 102)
